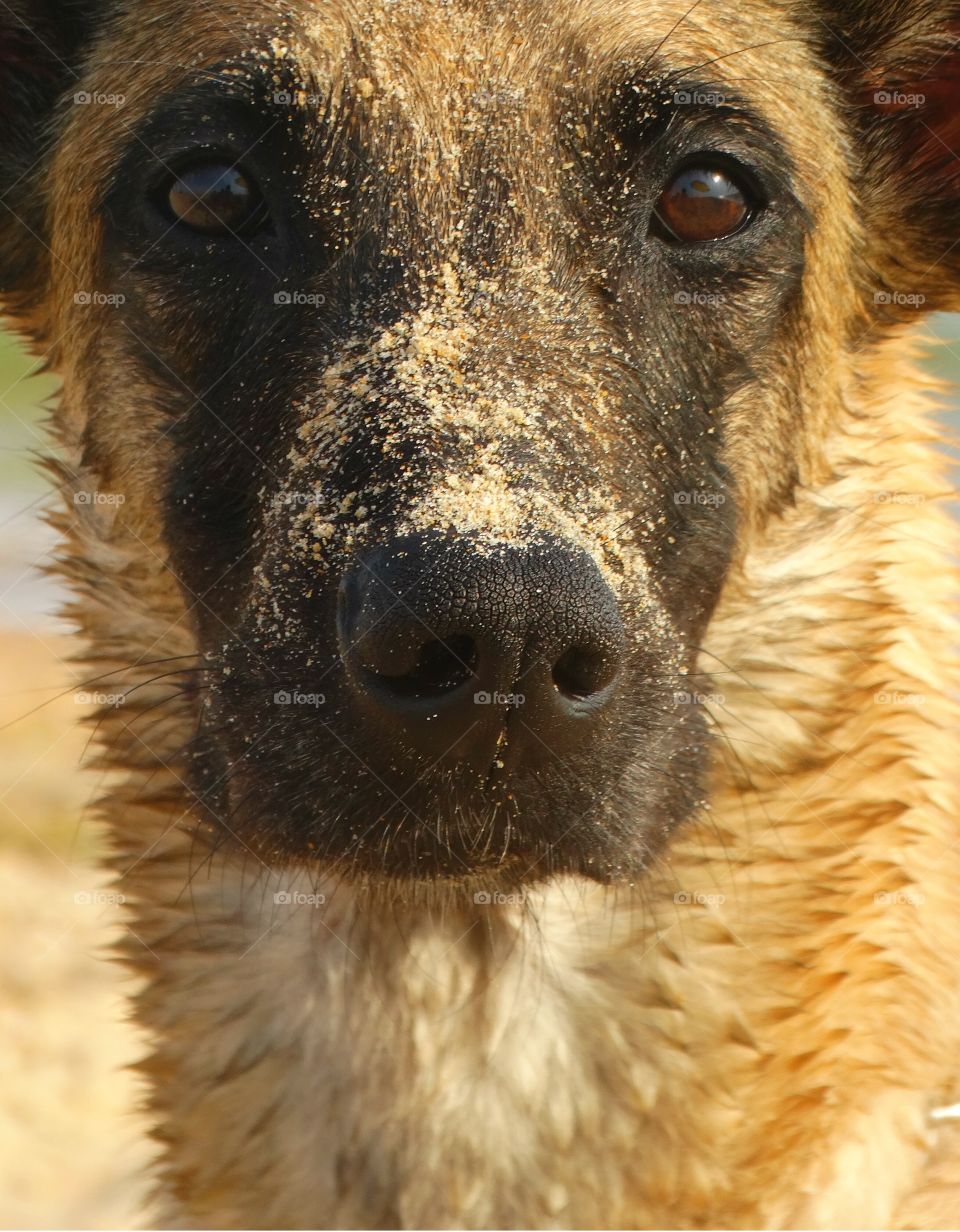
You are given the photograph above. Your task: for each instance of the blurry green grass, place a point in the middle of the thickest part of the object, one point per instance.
(20, 389)
(945, 355)
(24, 389)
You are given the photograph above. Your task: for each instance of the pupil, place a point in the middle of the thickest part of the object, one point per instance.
(703, 204)
(211, 197)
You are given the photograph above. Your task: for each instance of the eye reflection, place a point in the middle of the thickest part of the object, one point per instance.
(701, 204)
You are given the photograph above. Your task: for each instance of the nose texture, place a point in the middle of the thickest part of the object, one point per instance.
(465, 651)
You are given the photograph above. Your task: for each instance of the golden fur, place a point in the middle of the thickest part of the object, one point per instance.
(756, 1033)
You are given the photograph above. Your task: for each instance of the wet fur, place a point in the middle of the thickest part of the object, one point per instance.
(751, 1033)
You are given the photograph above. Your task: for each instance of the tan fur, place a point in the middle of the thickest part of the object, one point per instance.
(756, 1033)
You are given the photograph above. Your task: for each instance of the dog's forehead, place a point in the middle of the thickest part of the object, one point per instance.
(439, 65)
(425, 51)
(424, 38)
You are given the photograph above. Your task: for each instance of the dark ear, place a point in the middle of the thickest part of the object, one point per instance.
(41, 45)
(898, 65)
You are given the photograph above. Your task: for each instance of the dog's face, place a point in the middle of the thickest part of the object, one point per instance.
(450, 355)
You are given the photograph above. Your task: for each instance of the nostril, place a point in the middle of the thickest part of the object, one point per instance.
(581, 672)
(441, 667)
(429, 628)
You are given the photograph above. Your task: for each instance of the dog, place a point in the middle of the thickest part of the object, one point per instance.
(500, 495)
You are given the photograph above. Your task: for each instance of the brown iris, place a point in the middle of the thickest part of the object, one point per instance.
(702, 204)
(214, 198)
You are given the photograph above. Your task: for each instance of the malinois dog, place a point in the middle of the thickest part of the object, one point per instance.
(496, 475)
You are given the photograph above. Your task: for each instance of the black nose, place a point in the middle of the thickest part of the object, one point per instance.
(449, 642)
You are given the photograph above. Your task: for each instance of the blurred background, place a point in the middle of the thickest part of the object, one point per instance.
(70, 1150)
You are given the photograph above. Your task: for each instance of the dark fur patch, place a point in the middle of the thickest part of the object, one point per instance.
(42, 45)
(898, 63)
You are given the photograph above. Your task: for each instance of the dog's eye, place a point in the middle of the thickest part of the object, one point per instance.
(216, 199)
(703, 203)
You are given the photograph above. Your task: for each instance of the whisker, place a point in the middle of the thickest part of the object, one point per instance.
(93, 681)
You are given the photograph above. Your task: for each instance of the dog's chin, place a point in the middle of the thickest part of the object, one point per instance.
(488, 841)
(494, 837)
(337, 797)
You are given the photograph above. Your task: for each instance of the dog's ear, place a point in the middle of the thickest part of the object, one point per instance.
(41, 48)
(898, 65)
